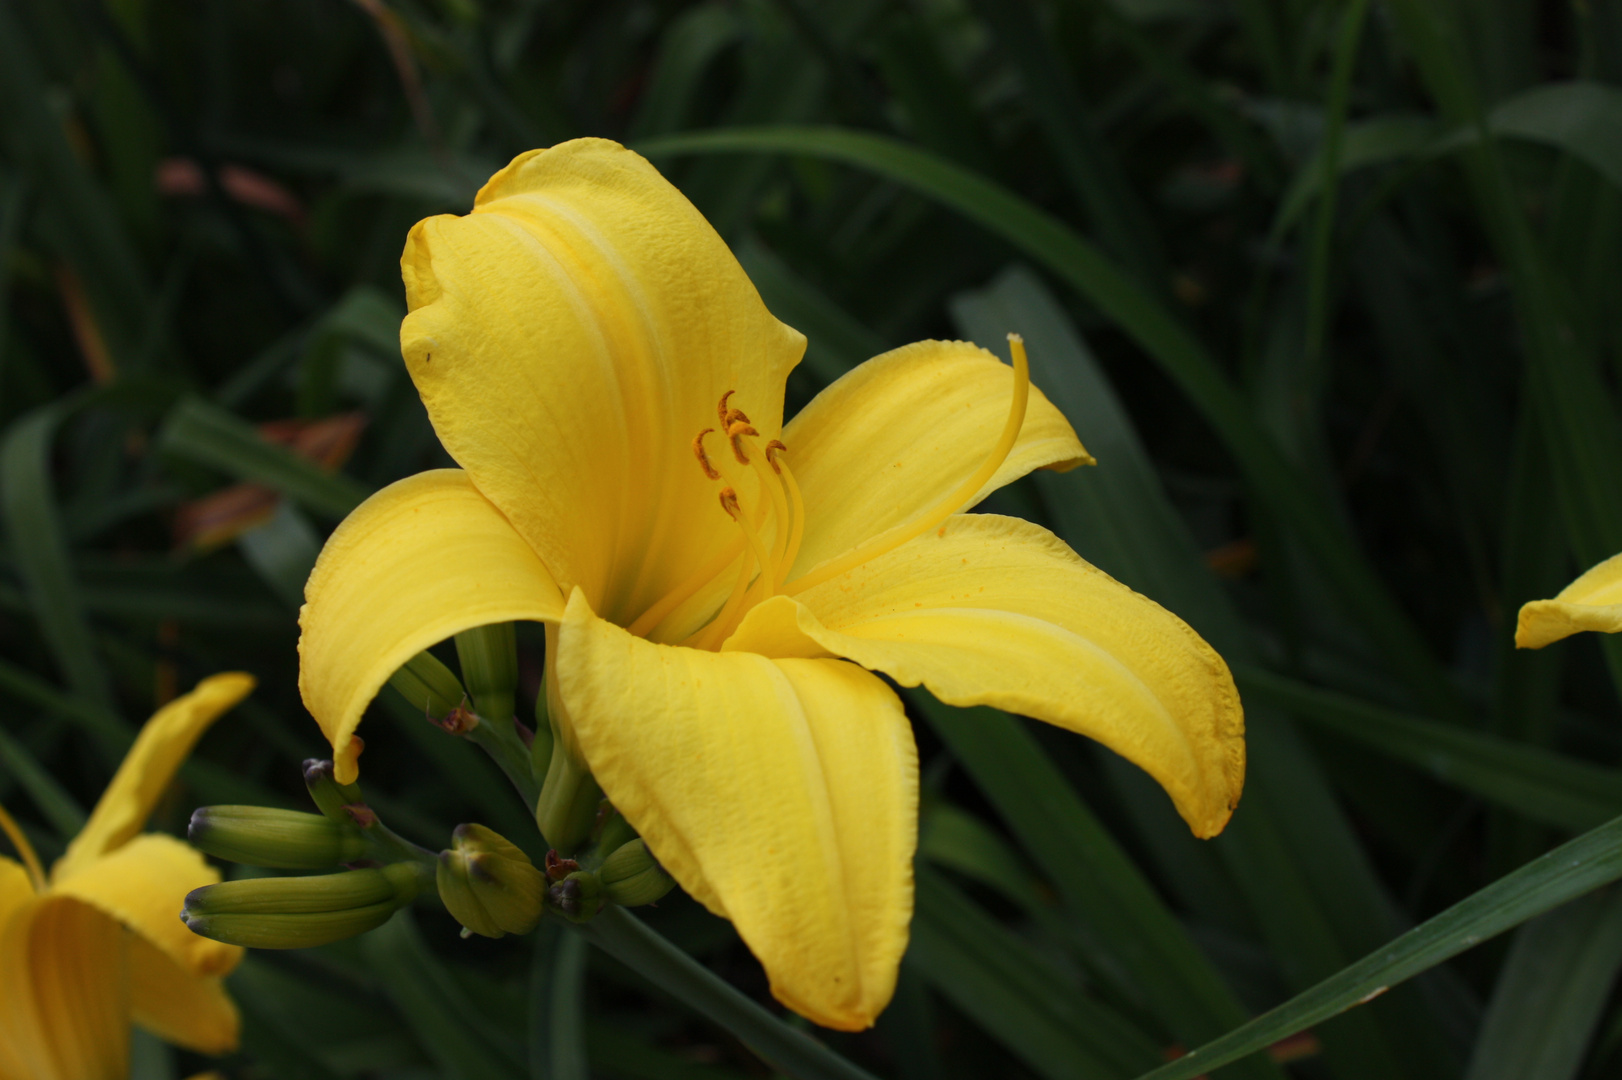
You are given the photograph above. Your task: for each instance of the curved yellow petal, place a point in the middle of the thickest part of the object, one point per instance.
(896, 435)
(178, 1006)
(997, 611)
(64, 993)
(144, 885)
(781, 794)
(425, 558)
(149, 766)
(569, 338)
(1592, 602)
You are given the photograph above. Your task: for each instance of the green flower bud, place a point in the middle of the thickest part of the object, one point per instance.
(489, 656)
(577, 897)
(631, 876)
(429, 685)
(615, 832)
(567, 808)
(339, 802)
(286, 839)
(300, 912)
(489, 885)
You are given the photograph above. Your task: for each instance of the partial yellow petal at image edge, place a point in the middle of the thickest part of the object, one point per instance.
(1592, 602)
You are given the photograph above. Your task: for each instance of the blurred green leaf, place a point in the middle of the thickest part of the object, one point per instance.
(1546, 786)
(40, 551)
(217, 439)
(1001, 983)
(463, 1042)
(1551, 992)
(1567, 872)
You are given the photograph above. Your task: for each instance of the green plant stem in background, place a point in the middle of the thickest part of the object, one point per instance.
(1567, 872)
(630, 941)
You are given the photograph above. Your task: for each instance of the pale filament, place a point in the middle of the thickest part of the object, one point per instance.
(889, 541)
(711, 635)
(797, 530)
(36, 872)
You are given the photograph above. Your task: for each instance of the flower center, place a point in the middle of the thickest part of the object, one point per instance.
(769, 534)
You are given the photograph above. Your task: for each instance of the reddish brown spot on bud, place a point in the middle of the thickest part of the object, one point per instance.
(557, 867)
(361, 814)
(459, 721)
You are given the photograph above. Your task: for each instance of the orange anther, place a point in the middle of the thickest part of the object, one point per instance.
(736, 432)
(771, 458)
(729, 503)
(703, 458)
(736, 415)
(721, 408)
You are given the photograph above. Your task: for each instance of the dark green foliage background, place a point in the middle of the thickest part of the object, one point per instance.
(1329, 288)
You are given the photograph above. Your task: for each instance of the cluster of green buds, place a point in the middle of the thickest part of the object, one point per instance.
(488, 883)
(382, 872)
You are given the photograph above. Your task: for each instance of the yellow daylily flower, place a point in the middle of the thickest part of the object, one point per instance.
(98, 943)
(718, 587)
(1592, 602)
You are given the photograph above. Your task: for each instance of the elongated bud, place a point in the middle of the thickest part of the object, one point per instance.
(540, 748)
(336, 801)
(631, 876)
(300, 912)
(489, 657)
(429, 685)
(567, 808)
(286, 839)
(489, 885)
(577, 897)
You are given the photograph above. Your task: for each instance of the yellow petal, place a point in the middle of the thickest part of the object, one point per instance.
(997, 611)
(144, 885)
(1592, 602)
(64, 993)
(896, 435)
(425, 558)
(17, 899)
(569, 338)
(149, 766)
(188, 1010)
(781, 794)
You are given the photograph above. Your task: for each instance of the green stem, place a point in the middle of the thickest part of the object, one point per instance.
(507, 749)
(630, 941)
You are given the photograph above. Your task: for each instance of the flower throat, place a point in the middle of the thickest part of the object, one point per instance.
(763, 571)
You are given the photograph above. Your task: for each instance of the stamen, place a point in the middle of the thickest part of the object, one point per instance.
(797, 531)
(703, 458)
(771, 459)
(701, 638)
(36, 873)
(721, 409)
(701, 577)
(735, 432)
(768, 569)
(948, 506)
